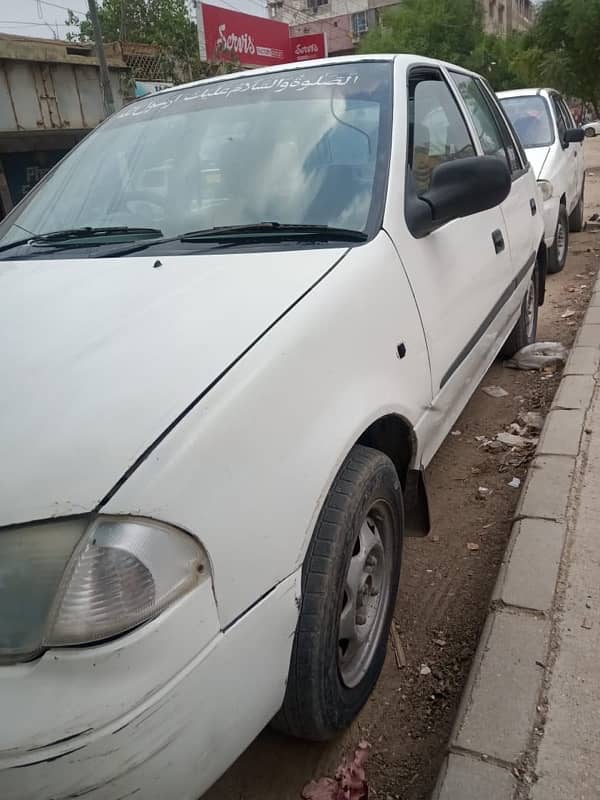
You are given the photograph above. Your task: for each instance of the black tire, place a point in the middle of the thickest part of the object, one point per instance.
(576, 218)
(589, 132)
(556, 258)
(525, 331)
(318, 703)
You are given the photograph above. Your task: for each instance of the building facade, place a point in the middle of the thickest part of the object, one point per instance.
(345, 21)
(505, 16)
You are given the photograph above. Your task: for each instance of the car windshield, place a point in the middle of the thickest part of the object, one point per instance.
(531, 119)
(303, 147)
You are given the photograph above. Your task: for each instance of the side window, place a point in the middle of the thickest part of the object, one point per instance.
(484, 120)
(567, 116)
(560, 121)
(516, 156)
(437, 130)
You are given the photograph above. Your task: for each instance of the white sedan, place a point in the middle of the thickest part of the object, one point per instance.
(553, 144)
(236, 323)
(591, 128)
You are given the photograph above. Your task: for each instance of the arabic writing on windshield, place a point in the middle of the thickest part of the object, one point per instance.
(276, 84)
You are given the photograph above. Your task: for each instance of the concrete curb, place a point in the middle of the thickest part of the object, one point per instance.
(496, 721)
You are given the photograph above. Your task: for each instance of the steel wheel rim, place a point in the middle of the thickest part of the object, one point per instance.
(366, 593)
(561, 241)
(530, 309)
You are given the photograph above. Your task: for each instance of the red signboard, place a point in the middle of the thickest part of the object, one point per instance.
(304, 48)
(253, 41)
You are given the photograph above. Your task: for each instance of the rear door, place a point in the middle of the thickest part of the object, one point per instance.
(520, 209)
(568, 156)
(575, 149)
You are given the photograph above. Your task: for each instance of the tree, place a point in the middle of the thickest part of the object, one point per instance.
(566, 34)
(447, 29)
(165, 23)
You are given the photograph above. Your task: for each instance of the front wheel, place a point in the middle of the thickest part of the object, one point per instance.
(576, 218)
(525, 331)
(349, 585)
(557, 254)
(589, 132)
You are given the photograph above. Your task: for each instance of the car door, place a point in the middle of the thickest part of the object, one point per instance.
(567, 157)
(459, 273)
(575, 149)
(520, 209)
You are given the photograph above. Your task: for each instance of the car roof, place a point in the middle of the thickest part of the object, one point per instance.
(525, 92)
(405, 60)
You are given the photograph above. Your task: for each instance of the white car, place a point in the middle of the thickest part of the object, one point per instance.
(553, 146)
(591, 128)
(220, 389)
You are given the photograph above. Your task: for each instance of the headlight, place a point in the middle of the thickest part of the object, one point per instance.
(75, 582)
(546, 189)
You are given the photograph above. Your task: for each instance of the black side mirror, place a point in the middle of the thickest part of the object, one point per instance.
(458, 189)
(576, 135)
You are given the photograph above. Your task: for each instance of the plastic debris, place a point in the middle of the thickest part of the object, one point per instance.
(539, 355)
(473, 546)
(483, 491)
(532, 419)
(349, 783)
(515, 483)
(518, 430)
(512, 440)
(567, 314)
(495, 391)
(425, 670)
(456, 433)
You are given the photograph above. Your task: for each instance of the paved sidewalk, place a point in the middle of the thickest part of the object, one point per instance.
(529, 724)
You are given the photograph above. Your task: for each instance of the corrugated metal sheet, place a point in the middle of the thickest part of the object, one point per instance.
(38, 96)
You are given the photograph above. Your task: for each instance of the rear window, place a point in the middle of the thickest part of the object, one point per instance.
(531, 119)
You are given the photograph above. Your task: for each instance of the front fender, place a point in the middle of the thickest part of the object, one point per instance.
(247, 470)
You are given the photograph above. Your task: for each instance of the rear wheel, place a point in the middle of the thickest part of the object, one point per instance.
(557, 254)
(349, 585)
(576, 218)
(525, 331)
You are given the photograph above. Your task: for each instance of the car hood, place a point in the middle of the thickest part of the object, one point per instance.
(99, 357)
(537, 158)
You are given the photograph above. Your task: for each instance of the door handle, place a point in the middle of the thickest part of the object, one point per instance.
(498, 241)
(533, 207)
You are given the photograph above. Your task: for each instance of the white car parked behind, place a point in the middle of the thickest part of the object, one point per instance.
(236, 323)
(591, 128)
(553, 146)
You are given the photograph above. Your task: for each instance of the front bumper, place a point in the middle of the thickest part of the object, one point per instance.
(149, 715)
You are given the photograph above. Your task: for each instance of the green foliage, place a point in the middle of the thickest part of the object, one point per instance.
(166, 23)
(446, 29)
(561, 50)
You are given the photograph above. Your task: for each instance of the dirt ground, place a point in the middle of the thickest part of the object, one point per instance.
(446, 579)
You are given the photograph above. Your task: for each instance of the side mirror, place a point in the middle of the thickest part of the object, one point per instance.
(458, 189)
(576, 135)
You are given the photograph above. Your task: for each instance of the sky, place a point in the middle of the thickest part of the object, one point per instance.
(45, 18)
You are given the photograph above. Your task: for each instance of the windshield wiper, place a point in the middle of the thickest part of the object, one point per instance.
(230, 235)
(83, 236)
(274, 230)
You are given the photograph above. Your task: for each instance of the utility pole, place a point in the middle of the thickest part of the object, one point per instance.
(109, 104)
